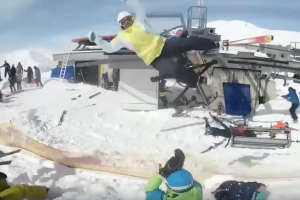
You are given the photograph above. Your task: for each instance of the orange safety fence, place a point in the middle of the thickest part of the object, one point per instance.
(144, 166)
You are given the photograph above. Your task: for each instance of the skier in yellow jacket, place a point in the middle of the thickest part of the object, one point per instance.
(20, 191)
(154, 49)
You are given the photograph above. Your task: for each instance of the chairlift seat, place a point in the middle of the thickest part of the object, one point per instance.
(261, 142)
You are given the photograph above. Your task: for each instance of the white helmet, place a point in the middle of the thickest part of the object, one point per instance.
(123, 14)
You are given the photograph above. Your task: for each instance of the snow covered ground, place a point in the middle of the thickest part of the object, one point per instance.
(106, 128)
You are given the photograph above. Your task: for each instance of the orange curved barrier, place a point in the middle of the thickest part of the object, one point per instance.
(15, 138)
(143, 166)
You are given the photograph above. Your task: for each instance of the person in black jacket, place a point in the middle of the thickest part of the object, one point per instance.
(38, 76)
(12, 78)
(237, 190)
(7, 68)
(116, 79)
(29, 74)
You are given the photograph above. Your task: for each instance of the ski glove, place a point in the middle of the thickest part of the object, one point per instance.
(173, 164)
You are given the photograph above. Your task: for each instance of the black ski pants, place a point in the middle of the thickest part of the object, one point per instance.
(39, 82)
(293, 111)
(177, 45)
(169, 63)
(12, 82)
(29, 79)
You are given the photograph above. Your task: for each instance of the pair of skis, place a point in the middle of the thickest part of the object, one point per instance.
(7, 154)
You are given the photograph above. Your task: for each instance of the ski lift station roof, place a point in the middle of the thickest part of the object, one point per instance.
(98, 56)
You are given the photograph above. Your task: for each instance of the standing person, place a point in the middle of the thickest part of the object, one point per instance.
(162, 93)
(1, 97)
(294, 99)
(116, 79)
(7, 68)
(19, 76)
(20, 66)
(38, 76)
(155, 50)
(12, 78)
(29, 74)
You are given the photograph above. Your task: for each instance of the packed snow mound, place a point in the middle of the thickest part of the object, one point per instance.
(235, 30)
(29, 58)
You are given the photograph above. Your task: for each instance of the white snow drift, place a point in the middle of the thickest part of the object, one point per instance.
(106, 128)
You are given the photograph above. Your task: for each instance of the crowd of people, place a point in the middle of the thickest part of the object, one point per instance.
(15, 76)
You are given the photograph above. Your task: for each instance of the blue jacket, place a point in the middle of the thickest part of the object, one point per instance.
(292, 96)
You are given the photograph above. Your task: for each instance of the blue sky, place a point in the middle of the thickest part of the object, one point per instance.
(25, 23)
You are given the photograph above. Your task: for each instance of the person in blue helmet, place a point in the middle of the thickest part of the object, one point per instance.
(294, 99)
(237, 190)
(179, 182)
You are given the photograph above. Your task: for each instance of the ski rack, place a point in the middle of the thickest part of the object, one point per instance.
(262, 142)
